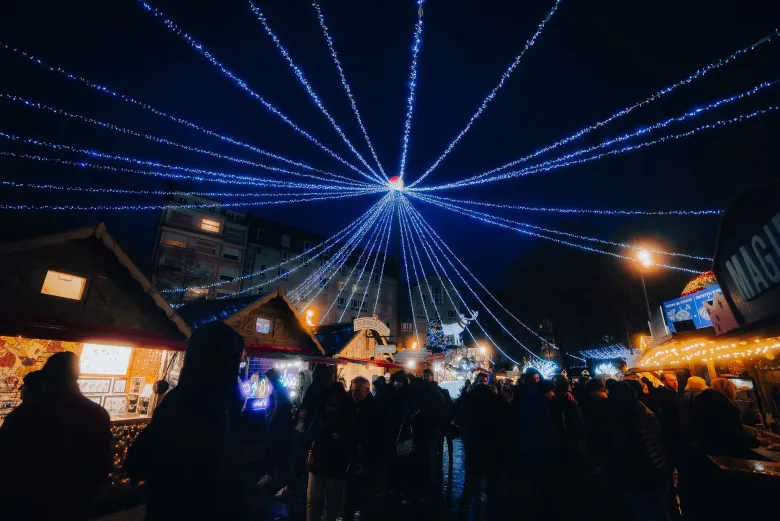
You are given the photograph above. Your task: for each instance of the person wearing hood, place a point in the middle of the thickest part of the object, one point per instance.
(188, 454)
(68, 440)
(717, 424)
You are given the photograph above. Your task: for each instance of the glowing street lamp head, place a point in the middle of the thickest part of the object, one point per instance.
(645, 258)
(396, 183)
(411, 364)
(483, 350)
(309, 316)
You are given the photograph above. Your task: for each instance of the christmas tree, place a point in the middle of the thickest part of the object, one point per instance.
(435, 335)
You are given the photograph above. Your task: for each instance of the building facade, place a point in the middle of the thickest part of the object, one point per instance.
(198, 247)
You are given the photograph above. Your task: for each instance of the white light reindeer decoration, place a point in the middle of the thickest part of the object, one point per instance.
(456, 328)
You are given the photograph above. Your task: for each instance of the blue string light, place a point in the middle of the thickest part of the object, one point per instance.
(106, 190)
(536, 169)
(420, 220)
(308, 285)
(163, 141)
(553, 239)
(581, 211)
(406, 238)
(224, 176)
(405, 208)
(386, 234)
(376, 238)
(384, 261)
(418, 29)
(642, 131)
(313, 95)
(610, 352)
(170, 175)
(622, 112)
(322, 246)
(150, 207)
(408, 280)
(344, 83)
(132, 101)
(243, 86)
(565, 234)
(504, 77)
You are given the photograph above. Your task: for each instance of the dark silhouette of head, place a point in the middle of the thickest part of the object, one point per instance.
(561, 383)
(532, 377)
(61, 372)
(211, 360)
(32, 386)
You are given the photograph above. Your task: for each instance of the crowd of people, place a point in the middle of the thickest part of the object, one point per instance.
(543, 449)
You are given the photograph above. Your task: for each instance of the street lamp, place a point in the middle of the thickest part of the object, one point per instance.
(309, 316)
(646, 260)
(482, 350)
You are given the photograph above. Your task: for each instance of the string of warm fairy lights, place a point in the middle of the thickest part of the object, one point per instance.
(342, 180)
(710, 351)
(626, 110)
(371, 246)
(581, 211)
(443, 203)
(323, 247)
(698, 111)
(504, 77)
(157, 112)
(306, 85)
(345, 84)
(199, 48)
(555, 165)
(418, 29)
(155, 164)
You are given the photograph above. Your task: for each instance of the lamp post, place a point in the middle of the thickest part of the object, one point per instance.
(646, 260)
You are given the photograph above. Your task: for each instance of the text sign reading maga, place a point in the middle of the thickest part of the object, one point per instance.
(747, 259)
(371, 323)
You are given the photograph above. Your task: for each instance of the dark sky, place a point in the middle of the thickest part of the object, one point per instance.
(594, 58)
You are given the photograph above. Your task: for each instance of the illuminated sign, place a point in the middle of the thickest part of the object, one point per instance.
(691, 307)
(371, 323)
(108, 360)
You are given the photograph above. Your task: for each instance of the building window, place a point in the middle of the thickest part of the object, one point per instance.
(228, 274)
(263, 325)
(406, 327)
(326, 253)
(376, 277)
(256, 249)
(206, 247)
(342, 303)
(175, 244)
(248, 265)
(285, 241)
(343, 269)
(436, 294)
(196, 294)
(63, 285)
(364, 306)
(210, 225)
(285, 255)
(283, 274)
(420, 312)
(263, 269)
(355, 304)
(305, 260)
(450, 314)
(324, 283)
(234, 235)
(306, 245)
(181, 218)
(231, 254)
(260, 234)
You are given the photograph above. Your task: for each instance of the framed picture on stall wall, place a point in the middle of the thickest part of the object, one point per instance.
(136, 384)
(98, 399)
(115, 405)
(143, 405)
(119, 386)
(132, 403)
(94, 385)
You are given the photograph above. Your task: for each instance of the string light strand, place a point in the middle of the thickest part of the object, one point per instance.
(418, 29)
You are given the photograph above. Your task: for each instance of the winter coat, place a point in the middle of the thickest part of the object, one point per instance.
(483, 417)
(717, 426)
(332, 435)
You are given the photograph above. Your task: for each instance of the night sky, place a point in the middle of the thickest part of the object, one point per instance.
(593, 58)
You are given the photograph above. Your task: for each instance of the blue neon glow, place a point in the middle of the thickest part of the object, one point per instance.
(418, 29)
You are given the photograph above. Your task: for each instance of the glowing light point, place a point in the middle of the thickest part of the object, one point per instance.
(396, 183)
(644, 257)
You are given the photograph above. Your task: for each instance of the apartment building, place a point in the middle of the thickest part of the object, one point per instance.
(198, 247)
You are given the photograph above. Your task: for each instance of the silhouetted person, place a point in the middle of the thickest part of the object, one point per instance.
(32, 387)
(717, 424)
(368, 452)
(483, 416)
(56, 449)
(569, 424)
(188, 454)
(279, 426)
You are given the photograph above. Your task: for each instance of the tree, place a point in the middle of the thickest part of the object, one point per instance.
(435, 340)
(179, 267)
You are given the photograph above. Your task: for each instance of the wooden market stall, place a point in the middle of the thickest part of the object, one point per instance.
(78, 291)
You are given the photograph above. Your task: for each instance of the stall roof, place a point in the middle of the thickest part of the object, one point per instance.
(202, 312)
(118, 305)
(335, 337)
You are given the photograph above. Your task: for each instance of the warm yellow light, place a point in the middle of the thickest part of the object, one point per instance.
(309, 316)
(483, 350)
(644, 257)
(63, 285)
(410, 364)
(414, 345)
(105, 360)
(210, 226)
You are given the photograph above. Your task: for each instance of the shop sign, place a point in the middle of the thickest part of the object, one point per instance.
(691, 307)
(374, 323)
(389, 349)
(747, 259)
(723, 319)
(257, 389)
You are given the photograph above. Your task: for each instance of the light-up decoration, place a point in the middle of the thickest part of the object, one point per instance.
(545, 367)
(263, 325)
(309, 316)
(644, 258)
(105, 360)
(65, 285)
(411, 364)
(607, 369)
(258, 389)
(396, 183)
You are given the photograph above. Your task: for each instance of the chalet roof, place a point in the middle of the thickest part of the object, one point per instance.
(120, 303)
(201, 312)
(335, 337)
